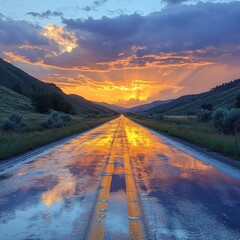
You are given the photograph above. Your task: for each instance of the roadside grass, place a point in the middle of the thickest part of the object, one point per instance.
(199, 133)
(12, 143)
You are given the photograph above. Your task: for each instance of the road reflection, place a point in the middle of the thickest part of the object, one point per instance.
(179, 191)
(49, 195)
(115, 178)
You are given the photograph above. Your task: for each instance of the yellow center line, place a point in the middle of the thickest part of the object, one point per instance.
(135, 217)
(100, 212)
(136, 228)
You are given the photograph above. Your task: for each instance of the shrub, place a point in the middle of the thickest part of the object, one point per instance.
(158, 117)
(217, 118)
(231, 121)
(66, 118)
(13, 123)
(204, 115)
(227, 121)
(55, 121)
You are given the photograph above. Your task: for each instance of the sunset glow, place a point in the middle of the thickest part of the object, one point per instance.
(106, 53)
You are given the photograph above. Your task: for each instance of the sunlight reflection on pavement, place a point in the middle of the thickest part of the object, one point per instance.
(120, 181)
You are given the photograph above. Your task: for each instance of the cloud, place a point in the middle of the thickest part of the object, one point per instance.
(94, 6)
(170, 49)
(46, 14)
(14, 33)
(175, 1)
(172, 29)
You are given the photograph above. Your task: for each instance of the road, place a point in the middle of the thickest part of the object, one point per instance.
(120, 181)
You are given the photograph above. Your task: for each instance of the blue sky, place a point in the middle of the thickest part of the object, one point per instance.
(17, 9)
(125, 52)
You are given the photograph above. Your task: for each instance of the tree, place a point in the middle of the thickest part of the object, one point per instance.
(238, 101)
(41, 102)
(207, 106)
(59, 103)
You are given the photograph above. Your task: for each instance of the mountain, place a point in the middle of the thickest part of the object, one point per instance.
(147, 106)
(220, 96)
(15, 79)
(135, 109)
(87, 106)
(113, 107)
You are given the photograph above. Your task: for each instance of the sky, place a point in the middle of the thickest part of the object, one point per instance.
(124, 52)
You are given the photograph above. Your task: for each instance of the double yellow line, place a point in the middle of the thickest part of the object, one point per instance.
(136, 228)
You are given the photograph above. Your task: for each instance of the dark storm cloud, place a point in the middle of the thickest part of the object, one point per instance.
(46, 14)
(174, 29)
(14, 33)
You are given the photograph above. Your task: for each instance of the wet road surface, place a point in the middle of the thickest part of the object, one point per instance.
(120, 181)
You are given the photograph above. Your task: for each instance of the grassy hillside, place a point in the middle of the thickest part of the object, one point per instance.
(15, 79)
(13, 102)
(218, 97)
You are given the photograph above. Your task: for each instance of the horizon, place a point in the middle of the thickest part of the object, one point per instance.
(124, 53)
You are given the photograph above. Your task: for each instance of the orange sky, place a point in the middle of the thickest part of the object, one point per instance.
(131, 59)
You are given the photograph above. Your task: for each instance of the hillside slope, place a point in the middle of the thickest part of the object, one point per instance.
(85, 106)
(222, 96)
(13, 102)
(12, 77)
(113, 107)
(148, 106)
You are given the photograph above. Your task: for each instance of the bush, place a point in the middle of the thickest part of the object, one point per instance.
(217, 118)
(231, 122)
(13, 123)
(66, 118)
(55, 121)
(226, 121)
(204, 115)
(207, 106)
(158, 117)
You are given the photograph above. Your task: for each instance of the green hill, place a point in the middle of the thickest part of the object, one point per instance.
(220, 96)
(15, 79)
(12, 101)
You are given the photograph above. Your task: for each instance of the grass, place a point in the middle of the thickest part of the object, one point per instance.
(34, 136)
(199, 133)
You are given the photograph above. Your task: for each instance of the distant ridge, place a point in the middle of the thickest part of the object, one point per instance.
(135, 109)
(223, 95)
(113, 107)
(148, 106)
